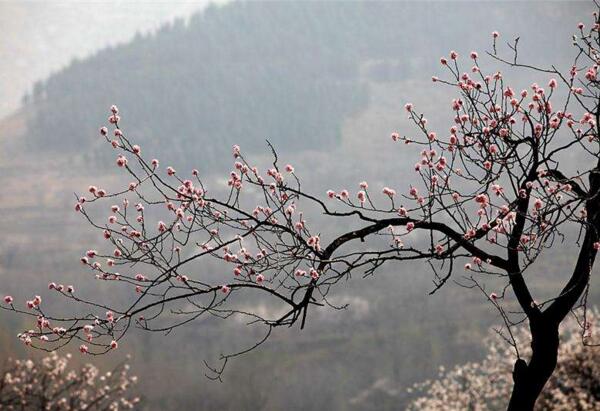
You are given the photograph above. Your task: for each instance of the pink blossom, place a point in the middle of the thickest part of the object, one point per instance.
(453, 55)
(469, 234)
(482, 199)
(170, 171)
(413, 192)
(456, 104)
(408, 107)
(474, 55)
(8, 299)
(497, 189)
(495, 34)
(363, 185)
(361, 196)
(83, 349)
(410, 226)
(91, 253)
(591, 74)
(114, 345)
(330, 193)
(389, 192)
(314, 242)
(395, 136)
(494, 296)
(260, 278)
(314, 274)
(225, 289)
(103, 131)
(52, 286)
(597, 245)
(289, 168)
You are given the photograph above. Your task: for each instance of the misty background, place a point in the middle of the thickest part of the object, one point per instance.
(326, 83)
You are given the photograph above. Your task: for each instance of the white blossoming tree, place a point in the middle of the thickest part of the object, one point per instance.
(486, 385)
(52, 384)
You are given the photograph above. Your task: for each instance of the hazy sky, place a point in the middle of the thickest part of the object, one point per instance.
(42, 36)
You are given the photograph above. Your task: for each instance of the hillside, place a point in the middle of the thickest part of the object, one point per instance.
(250, 71)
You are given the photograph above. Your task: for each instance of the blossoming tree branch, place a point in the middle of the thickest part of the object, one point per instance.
(491, 194)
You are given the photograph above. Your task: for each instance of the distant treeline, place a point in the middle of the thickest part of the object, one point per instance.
(289, 72)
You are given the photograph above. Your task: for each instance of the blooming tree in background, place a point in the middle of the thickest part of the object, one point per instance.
(491, 193)
(484, 386)
(50, 384)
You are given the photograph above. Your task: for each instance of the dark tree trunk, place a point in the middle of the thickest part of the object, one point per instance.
(529, 379)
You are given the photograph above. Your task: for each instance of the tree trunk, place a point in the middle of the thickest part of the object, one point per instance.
(529, 379)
